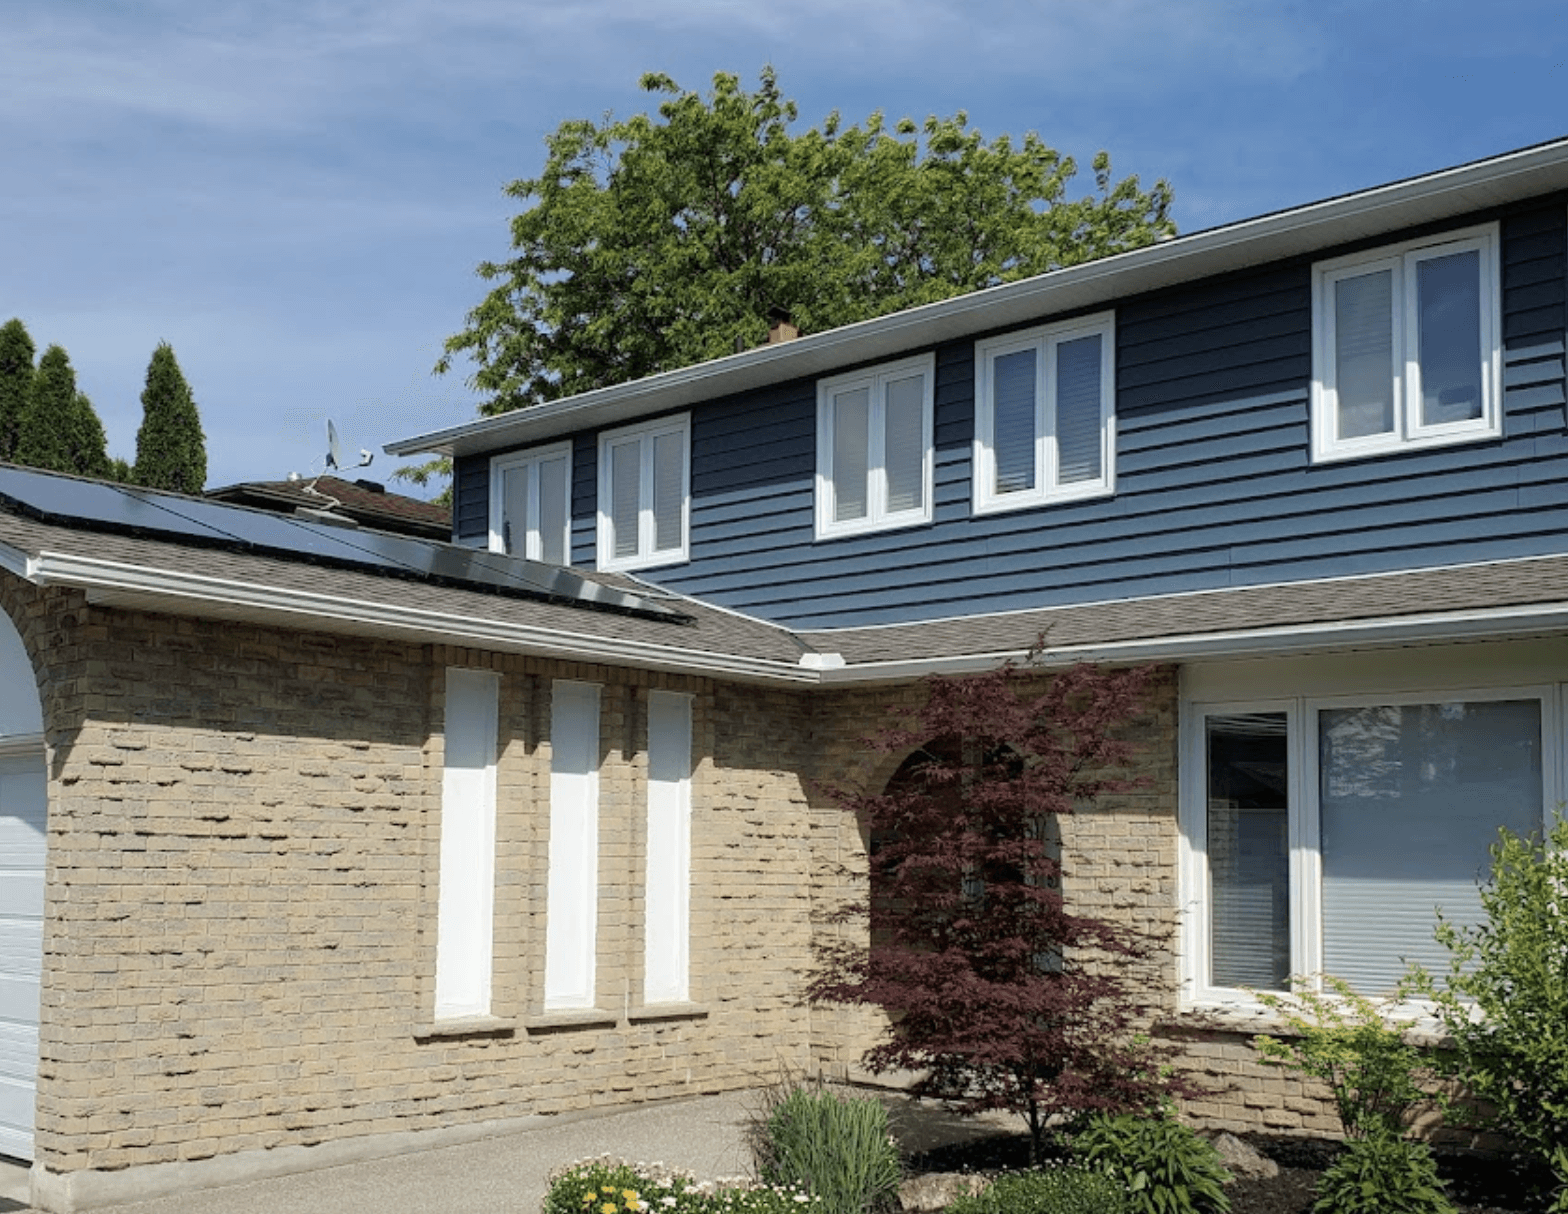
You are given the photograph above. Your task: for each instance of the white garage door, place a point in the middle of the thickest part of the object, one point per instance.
(22, 851)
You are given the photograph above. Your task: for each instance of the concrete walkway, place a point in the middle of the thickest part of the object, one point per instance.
(507, 1174)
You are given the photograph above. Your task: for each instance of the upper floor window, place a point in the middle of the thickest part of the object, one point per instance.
(531, 504)
(874, 448)
(644, 494)
(1045, 422)
(1406, 348)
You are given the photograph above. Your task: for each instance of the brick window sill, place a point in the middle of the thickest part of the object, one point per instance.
(668, 1011)
(465, 1026)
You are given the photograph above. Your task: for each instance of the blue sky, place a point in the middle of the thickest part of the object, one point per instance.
(295, 194)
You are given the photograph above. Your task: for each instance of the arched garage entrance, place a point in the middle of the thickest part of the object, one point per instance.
(23, 814)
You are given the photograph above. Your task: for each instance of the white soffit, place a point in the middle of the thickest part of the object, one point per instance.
(1369, 213)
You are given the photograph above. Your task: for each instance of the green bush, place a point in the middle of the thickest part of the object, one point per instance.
(1164, 1166)
(1504, 1001)
(835, 1147)
(1062, 1189)
(1382, 1173)
(1343, 1039)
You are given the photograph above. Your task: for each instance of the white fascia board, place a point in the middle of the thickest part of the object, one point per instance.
(188, 593)
(1282, 234)
(1433, 628)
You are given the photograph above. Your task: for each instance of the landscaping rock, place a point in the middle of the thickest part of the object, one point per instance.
(937, 1190)
(1244, 1162)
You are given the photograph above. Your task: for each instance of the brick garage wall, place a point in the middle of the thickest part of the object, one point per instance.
(1119, 860)
(242, 890)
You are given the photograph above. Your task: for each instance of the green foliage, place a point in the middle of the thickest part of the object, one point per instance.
(610, 1186)
(651, 243)
(1164, 1166)
(59, 431)
(1382, 1173)
(171, 451)
(436, 469)
(1061, 1189)
(1504, 1000)
(834, 1146)
(1344, 1040)
(16, 381)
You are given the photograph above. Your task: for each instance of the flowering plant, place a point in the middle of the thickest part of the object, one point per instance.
(612, 1186)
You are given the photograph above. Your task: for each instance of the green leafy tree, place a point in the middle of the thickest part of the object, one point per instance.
(651, 243)
(59, 430)
(1504, 1000)
(171, 451)
(16, 381)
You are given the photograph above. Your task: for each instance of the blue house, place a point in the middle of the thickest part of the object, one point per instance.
(1314, 461)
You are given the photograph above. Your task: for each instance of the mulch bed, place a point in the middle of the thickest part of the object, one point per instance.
(1477, 1184)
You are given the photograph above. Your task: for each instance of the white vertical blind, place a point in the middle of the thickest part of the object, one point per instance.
(1247, 848)
(464, 916)
(625, 495)
(573, 883)
(514, 509)
(904, 445)
(669, 483)
(1014, 423)
(851, 453)
(554, 511)
(1364, 354)
(1078, 410)
(667, 895)
(1411, 798)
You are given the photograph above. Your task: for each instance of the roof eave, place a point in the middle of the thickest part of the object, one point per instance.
(1497, 181)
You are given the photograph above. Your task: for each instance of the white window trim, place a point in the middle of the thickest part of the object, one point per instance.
(877, 517)
(572, 876)
(1386, 679)
(645, 556)
(1045, 340)
(499, 466)
(667, 872)
(1408, 433)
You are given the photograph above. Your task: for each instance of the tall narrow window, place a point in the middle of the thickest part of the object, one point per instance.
(667, 898)
(464, 917)
(874, 463)
(1045, 427)
(531, 505)
(1407, 346)
(571, 919)
(644, 494)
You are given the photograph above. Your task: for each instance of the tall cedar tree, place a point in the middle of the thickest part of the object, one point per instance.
(651, 243)
(171, 450)
(16, 381)
(995, 989)
(59, 430)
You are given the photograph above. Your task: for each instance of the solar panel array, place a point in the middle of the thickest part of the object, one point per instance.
(127, 510)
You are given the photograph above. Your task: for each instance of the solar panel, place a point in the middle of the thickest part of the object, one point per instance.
(127, 510)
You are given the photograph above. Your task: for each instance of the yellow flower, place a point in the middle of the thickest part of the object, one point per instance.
(629, 1194)
(607, 1208)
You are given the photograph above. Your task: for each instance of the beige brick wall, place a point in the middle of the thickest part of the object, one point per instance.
(243, 883)
(242, 891)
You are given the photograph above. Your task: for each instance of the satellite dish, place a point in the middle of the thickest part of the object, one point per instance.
(334, 450)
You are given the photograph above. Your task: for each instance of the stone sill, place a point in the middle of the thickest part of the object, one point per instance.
(465, 1026)
(668, 1011)
(1250, 1020)
(576, 1018)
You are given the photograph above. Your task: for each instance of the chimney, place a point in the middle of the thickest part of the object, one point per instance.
(780, 326)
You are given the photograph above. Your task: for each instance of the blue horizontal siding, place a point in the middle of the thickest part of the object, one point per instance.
(1214, 481)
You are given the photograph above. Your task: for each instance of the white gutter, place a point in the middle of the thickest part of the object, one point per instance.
(112, 581)
(1435, 196)
(117, 584)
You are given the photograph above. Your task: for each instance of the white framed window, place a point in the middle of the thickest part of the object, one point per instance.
(645, 494)
(1045, 415)
(572, 882)
(531, 504)
(1407, 346)
(874, 462)
(1322, 832)
(667, 887)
